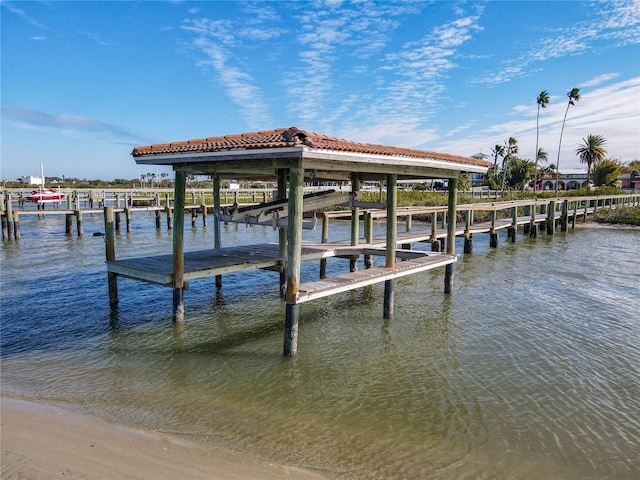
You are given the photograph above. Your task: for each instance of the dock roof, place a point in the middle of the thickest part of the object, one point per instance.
(260, 154)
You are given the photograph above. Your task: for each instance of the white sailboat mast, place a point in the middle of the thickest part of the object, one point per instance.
(42, 174)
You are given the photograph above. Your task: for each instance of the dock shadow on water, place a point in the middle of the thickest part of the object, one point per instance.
(529, 370)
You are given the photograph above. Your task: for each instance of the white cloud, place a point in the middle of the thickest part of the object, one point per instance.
(68, 125)
(612, 111)
(24, 15)
(619, 20)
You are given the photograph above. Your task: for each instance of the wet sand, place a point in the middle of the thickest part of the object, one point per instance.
(41, 441)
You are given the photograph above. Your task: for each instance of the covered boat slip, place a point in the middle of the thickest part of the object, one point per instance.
(292, 157)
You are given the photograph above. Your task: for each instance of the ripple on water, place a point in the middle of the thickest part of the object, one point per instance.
(530, 369)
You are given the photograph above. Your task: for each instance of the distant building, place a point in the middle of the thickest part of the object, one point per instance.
(630, 181)
(31, 180)
(478, 178)
(568, 179)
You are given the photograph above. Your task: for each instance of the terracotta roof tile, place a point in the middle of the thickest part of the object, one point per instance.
(288, 137)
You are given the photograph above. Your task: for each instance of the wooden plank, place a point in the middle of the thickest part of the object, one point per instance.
(352, 280)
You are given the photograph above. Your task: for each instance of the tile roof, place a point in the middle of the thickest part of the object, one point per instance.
(290, 137)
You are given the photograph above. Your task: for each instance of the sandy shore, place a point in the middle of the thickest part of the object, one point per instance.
(45, 442)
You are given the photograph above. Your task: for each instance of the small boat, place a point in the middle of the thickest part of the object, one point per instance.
(46, 195)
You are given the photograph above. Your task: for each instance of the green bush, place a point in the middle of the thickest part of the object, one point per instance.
(619, 215)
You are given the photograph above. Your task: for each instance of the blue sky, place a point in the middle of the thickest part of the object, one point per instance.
(85, 82)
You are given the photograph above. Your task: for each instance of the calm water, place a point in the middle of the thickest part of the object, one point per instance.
(530, 370)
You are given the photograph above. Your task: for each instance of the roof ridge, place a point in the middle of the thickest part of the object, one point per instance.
(294, 136)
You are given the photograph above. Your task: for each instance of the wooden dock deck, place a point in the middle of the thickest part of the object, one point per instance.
(158, 269)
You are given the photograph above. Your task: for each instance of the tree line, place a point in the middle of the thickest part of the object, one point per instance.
(516, 172)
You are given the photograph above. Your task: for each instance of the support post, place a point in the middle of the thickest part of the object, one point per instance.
(493, 236)
(533, 230)
(282, 234)
(110, 245)
(368, 235)
(324, 239)
(127, 218)
(294, 257)
(435, 244)
(9, 215)
(178, 247)
(79, 227)
(355, 222)
(392, 236)
(551, 218)
(16, 225)
(565, 216)
(514, 223)
(216, 222)
(68, 224)
(468, 237)
(451, 233)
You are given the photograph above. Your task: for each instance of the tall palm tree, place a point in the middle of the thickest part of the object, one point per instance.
(498, 151)
(511, 148)
(574, 96)
(542, 101)
(592, 152)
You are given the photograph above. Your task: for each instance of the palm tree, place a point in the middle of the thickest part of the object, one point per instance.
(574, 96)
(541, 157)
(511, 148)
(498, 151)
(591, 152)
(542, 101)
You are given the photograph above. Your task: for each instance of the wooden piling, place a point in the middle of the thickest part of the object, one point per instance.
(513, 229)
(564, 221)
(203, 208)
(551, 218)
(127, 218)
(68, 227)
(158, 220)
(5, 229)
(324, 239)
(468, 236)
(451, 233)
(9, 214)
(117, 221)
(283, 234)
(109, 237)
(355, 222)
(294, 258)
(533, 227)
(435, 243)
(392, 236)
(493, 236)
(169, 211)
(178, 247)
(16, 225)
(217, 243)
(79, 225)
(368, 234)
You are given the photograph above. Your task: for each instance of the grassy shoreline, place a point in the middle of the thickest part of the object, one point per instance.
(621, 215)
